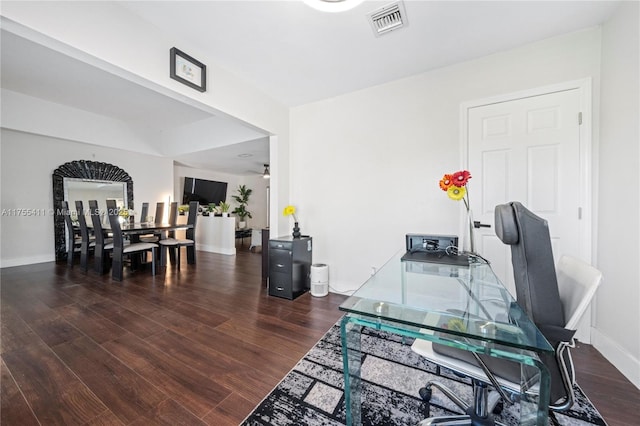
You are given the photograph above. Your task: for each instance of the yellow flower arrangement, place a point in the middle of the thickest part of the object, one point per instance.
(290, 211)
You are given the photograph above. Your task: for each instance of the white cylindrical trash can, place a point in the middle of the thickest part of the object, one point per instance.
(319, 279)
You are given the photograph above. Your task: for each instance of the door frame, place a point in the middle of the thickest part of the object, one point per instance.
(586, 166)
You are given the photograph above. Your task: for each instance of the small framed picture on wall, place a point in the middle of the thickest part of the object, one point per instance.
(188, 70)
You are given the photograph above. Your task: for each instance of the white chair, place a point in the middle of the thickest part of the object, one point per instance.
(577, 285)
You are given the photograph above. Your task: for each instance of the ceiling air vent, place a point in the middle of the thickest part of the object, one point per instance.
(388, 18)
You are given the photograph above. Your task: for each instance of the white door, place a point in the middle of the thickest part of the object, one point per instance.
(526, 150)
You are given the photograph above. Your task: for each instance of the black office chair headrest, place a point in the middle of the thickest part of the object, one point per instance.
(505, 222)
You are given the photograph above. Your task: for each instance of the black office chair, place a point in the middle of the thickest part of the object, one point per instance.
(537, 291)
(538, 294)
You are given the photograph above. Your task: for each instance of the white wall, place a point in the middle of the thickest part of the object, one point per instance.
(617, 333)
(257, 201)
(365, 166)
(27, 164)
(29, 114)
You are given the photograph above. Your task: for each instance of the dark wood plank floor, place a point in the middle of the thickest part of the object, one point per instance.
(202, 345)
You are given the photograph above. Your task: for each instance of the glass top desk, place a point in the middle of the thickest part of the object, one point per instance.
(461, 306)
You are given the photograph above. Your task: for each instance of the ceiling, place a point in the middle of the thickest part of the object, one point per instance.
(291, 52)
(297, 54)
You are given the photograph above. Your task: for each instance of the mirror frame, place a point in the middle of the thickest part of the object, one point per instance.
(87, 170)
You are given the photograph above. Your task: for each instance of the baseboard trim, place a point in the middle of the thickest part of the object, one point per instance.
(618, 356)
(21, 261)
(216, 249)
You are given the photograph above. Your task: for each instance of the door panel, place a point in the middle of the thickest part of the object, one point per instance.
(526, 150)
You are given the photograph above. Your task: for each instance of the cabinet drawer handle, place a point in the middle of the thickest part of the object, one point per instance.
(280, 265)
(280, 288)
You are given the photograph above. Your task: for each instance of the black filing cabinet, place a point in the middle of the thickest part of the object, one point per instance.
(289, 266)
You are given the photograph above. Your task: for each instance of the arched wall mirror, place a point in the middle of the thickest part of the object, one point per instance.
(87, 180)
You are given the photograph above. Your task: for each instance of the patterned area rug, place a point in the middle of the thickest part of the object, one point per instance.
(312, 393)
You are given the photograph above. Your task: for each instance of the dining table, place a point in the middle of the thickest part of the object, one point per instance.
(133, 230)
(143, 228)
(136, 229)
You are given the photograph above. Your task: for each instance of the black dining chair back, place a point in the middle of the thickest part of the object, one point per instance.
(173, 213)
(101, 260)
(190, 234)
(158, 220)
(85, 237)
(120, 249)
(116, 230)
(144, 213)
(159, 213)
(191, 220)
(73, 243)
(173, 218)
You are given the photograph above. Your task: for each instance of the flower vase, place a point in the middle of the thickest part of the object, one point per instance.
(470, 245)
(296, 230)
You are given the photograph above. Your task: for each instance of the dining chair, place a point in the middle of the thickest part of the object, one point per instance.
(144, 218)
(156, 236)
(120, 249)
(188, 242)
(173, 218)
(144, 212)
(102, 246)
(159, 213)
(173, 212)
(73, 239)
(88, 242)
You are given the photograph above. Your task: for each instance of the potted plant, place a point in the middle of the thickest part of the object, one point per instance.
(208, 209)
(224, 208)
(182, 209)
(242, 198)
(242, 213)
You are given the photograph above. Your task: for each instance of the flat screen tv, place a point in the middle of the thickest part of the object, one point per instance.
(203, 191)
